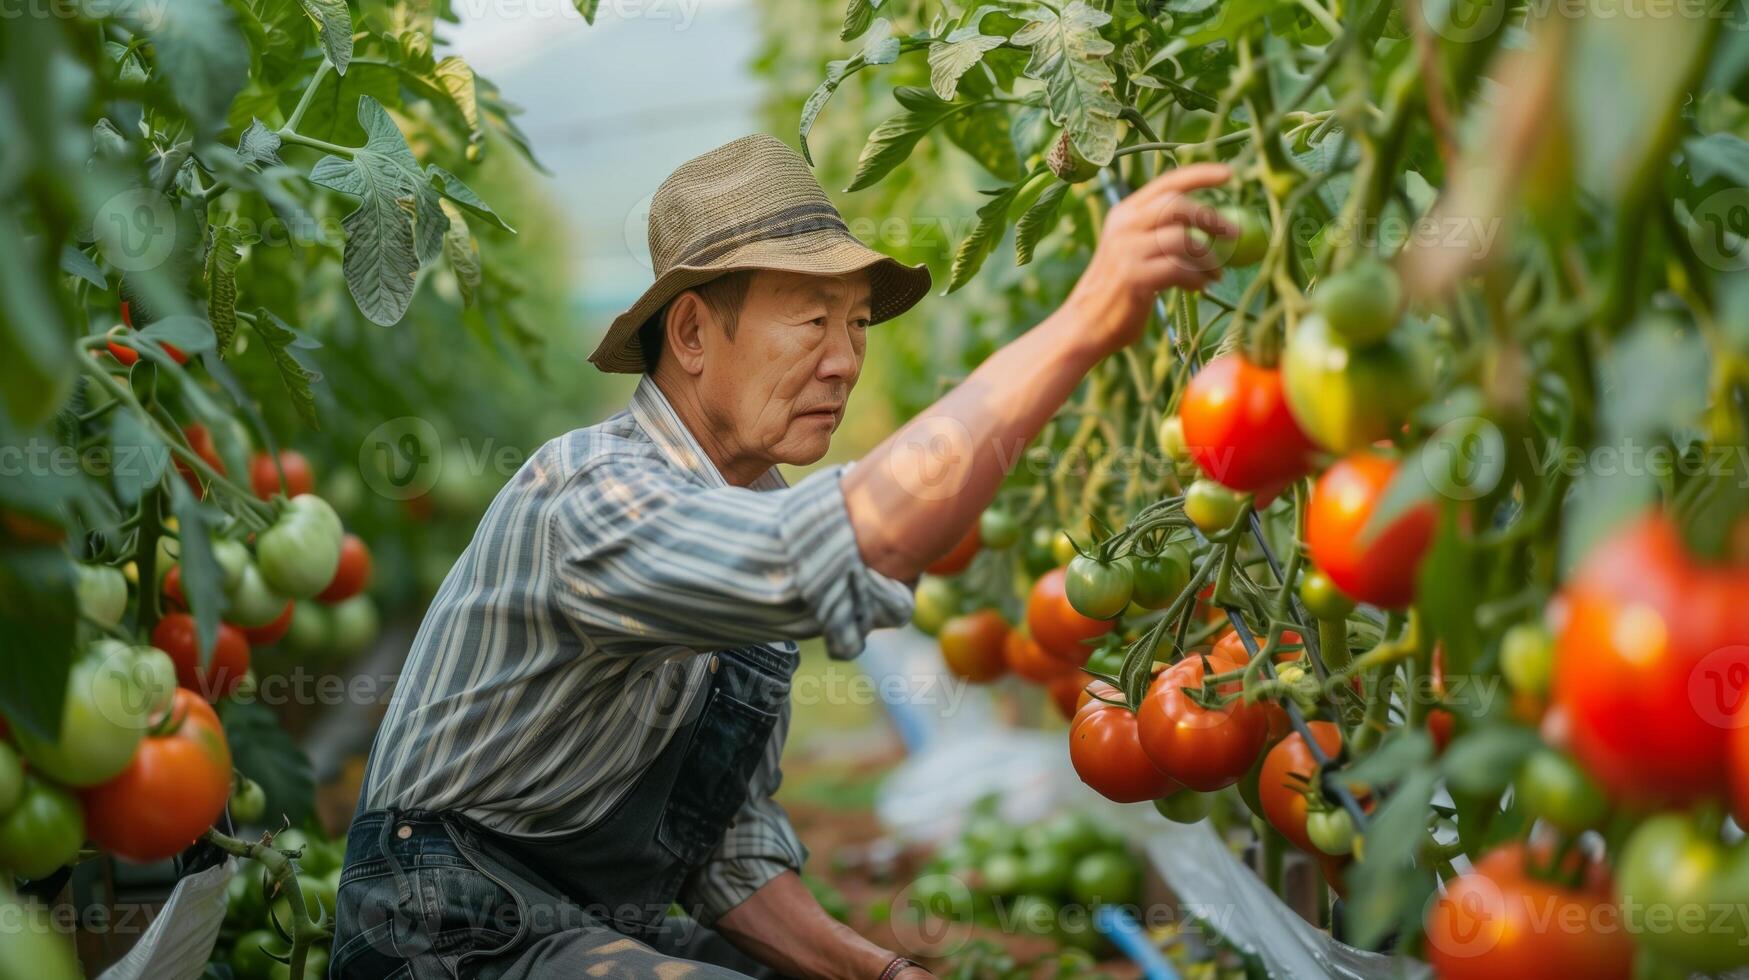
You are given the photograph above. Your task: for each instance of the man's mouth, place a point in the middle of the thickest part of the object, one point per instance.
(829, 412)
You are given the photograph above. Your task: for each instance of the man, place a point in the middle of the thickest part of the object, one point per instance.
(588, 727)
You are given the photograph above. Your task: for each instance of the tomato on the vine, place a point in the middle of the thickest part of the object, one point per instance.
(973, 644)
(264, 476)
(997, 529)
(176, 635)
(1648, 665)
(1440, 720)
(1346, 397)
(1330, 830)
(1056, 625)
(103, 717)
(1379, 568)
(1201, 748)
(1185, 806)
(1171, 435)
(42, 832)
(352, 574)
(1286, 777)
(1028, 659)
(103, 592)
(128, 356)
(1322, 598)
(1065, 691)
(959, 556)
(200, 439)
(171, 792)
(1106, 754)
(1098, 589)
(268, 635)
(253, 604)
(1498, 921)
(1252, 242)
(1674, 881)
(1553, 787)
(1361, 303)
(1158, 579)
(1230, 647)
(1527, 658)
(248, 801)
(299, 554)
(937, 600)
(1239, 429)
(1212, 507)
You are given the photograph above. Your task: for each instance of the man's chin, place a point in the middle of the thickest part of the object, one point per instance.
(803, 449)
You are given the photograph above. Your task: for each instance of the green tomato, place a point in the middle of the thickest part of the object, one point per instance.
(1322, 598)
(1172, 440)
(1673, 881)
(1160, 578)
(1004, 873)
(1527, 658)
(104, 717)
(355, 625)
(1037, 556)
(233, 558)
(154, 675)
(253, 603)
(1330, 830)
(248, 802)
(998, 529)
(1551, 785)
(250, 957)
(1212, 507)
(938, 600)
(1349, 397)
(1253, 240)
(943, 895)
(11, 777)
(300, 552)
(32, 946)
(1072, 833)
(103, 593)
(1097, 589)
(1185, 806)
(1107, 877)
(1046, 872)
(1361, 303)
(988, 835)
(311, 631)
(43, 831)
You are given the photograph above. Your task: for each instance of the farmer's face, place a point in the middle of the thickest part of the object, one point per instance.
(780, 384)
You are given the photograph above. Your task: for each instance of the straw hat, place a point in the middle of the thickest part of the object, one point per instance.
(749, 204)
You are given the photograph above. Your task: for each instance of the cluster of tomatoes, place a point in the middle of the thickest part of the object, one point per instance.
(141, 767)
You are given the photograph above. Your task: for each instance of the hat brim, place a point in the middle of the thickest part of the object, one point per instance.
(894, 287)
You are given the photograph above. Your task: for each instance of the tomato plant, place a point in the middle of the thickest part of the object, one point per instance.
(265, 472)
(103, 719)
(1098, 589)
(1203, 748)
(1287, 776)
(1107, 754)
(973, 644)
(43, 831)
(1056, 625)
(1376, 565)
(352, 574)
(171, 792)
(1239, 429)
(178, 635)
(300, 553)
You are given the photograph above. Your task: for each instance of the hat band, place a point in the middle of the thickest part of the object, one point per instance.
(799, 220)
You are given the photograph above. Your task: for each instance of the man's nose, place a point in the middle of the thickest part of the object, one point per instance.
(840, 359)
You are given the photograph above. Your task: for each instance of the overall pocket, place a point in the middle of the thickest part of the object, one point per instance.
(725, 748)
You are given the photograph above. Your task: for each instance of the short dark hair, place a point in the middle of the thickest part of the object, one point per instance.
(724, 295)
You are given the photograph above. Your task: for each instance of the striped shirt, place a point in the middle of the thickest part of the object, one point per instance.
(559, 654)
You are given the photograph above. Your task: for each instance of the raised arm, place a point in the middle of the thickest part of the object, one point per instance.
(912, 497)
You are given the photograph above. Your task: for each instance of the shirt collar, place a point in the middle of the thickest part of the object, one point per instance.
(656, 416)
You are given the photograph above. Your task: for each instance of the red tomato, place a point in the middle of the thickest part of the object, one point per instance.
(1497, 921)
(1202, 749)
(264, 477)
(201, 441)
(1439, 720)
(1026, 658)
(1287, 773)
(175, 635)
(352, 575)
(961, 555)
(173, 589)
(171, 792)
(1650, 659)
(1065, 692)
(266, 636)
(973, 645)
(1379, 569)
(1108, 757)
(1056, 625)
(129, 356)
(1238, 427)
(1229, 645)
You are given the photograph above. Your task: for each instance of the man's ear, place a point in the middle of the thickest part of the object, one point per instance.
(685, 325)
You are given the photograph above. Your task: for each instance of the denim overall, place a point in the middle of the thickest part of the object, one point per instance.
(434, 895)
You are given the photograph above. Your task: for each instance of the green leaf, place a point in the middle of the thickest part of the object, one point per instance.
(881, 47)
(857, 17)
(1448, 598)
(199, 50)
(892, 141)
(1626, 83)
(457, 80)
(977, 246)
(138, 457)
(950, 59)
(1398, 755)
(587, 9)
(279, 339)
(984, 133)
(1723, 155)
(36, 373)
(38, 612)
(77, 263)
(1038, 221)
(1068, 55)
(461, 253)
(380, 261)
(259, 145)
(1485, 760)
(451, 187)
(221, 282)
(264, 751)
(202, 582)
(334, 27)
(192, 334)
(1389, 891)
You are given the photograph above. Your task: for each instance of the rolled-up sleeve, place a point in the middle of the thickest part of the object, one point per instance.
(646, 556)
(759, 845)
